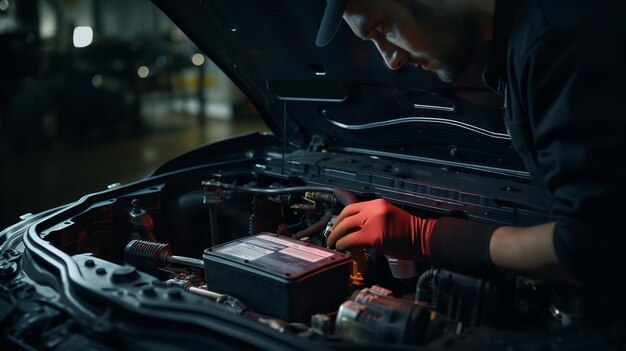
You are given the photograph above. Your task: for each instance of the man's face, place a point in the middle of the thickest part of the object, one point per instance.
(421, 33)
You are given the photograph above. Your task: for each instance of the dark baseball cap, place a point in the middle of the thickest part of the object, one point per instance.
(330, 22)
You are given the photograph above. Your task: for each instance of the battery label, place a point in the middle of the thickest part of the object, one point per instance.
(303, 255)
(306, 249)
(246, 251)
(266, 244)
(285, 258)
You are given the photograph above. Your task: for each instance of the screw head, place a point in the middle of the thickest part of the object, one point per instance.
(124, 274)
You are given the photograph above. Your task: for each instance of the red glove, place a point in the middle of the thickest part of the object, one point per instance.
(382, 226)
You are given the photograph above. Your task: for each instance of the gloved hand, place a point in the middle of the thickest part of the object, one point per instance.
(382, 226)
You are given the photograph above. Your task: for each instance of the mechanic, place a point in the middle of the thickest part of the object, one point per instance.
(561, 68)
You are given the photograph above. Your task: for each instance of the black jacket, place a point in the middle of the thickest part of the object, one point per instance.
(561, 65)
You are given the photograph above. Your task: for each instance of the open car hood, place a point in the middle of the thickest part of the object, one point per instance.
(343, 96)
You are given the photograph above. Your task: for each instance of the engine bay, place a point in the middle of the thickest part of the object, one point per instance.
(253, 244)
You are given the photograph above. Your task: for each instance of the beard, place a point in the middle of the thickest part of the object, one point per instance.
(453, 37)
(447, 73)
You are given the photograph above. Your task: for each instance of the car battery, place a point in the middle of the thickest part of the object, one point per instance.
(279, 276)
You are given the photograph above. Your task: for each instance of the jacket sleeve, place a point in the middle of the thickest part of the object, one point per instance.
(574, 87)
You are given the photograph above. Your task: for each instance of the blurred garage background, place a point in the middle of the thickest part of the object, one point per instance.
(99, 92)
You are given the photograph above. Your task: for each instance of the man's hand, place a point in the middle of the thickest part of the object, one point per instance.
(379, 225)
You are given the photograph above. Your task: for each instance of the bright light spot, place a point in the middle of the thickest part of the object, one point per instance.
(96, 80)
(197, 59)
(83, 36)
(4, 5)
(48, 20)
(143, 72)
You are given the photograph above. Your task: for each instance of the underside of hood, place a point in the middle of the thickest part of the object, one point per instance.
(343, 96)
